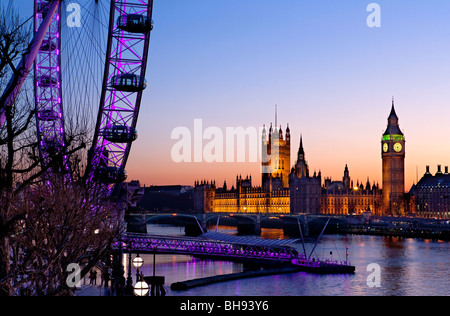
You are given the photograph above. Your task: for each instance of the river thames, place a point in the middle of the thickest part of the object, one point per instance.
(407, 266)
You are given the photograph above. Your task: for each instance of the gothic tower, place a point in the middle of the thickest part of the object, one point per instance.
(301, 167)
(276, 155)
(393, 158)
(346, 178)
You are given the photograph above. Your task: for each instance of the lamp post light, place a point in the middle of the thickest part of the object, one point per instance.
(141, 288)
(129, 286)
(137, 263)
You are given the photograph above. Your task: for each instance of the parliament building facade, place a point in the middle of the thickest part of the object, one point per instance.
(293, 190)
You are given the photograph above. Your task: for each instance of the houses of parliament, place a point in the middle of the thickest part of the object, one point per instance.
(293, 189)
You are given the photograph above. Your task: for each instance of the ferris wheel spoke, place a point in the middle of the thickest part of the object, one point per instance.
(83, 53)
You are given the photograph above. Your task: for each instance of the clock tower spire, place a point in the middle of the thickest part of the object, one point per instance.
(393, 158)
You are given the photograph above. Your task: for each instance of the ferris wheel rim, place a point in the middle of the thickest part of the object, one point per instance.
(116, 91)
(126, 61)
(47, 87)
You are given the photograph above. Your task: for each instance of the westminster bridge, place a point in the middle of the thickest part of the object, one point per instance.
(250, 223)
(296, 224)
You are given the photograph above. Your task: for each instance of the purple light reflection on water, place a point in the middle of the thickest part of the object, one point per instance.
(177, 268)
(408, 267)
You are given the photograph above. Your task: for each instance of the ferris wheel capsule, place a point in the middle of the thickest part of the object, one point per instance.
(47, 81)
(48, 46)
(51, 146)
(135, 23)
(119, 134)
(48, 115)
(109, 175)
(129, 82)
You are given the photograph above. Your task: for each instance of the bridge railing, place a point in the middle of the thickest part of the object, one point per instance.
(199, 246)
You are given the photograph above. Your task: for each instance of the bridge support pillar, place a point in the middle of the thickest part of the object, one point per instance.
(293, 226)
(306, 226)
(198, 227)
(258, 224)
(203, 223)
(250, 228)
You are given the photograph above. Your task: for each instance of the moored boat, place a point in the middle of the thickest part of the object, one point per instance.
(324, 267)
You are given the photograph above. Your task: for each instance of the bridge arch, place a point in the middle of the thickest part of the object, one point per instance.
(170, 218)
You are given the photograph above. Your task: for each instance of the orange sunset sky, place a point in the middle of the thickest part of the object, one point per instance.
(331, 75)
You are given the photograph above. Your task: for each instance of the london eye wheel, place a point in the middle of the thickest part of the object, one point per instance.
(47, 80)
(92, 63)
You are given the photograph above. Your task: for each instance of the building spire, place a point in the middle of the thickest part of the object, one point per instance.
(301, 152)
(276, 121)
(393, 127)
(393, 115)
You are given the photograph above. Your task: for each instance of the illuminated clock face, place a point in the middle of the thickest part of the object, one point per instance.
(385, 147)
(398, 147)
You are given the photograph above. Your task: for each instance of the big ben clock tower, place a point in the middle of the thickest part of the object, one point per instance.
(393, 157)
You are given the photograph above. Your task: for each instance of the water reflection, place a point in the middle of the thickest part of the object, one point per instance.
(176, 268)
(272, 233)
(408, 267)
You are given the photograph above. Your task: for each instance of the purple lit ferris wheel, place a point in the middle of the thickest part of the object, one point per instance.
(123, 84)
(47, 80)
(99, 63)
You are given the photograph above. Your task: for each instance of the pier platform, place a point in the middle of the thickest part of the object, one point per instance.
(185, 285)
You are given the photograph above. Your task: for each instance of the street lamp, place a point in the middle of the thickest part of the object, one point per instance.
(137, 263)
(141, 288)
(129, 286)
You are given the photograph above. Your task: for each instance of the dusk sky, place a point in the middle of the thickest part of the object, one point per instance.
(332, 77)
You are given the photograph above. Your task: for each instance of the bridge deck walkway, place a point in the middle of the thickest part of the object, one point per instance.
(225, 250)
